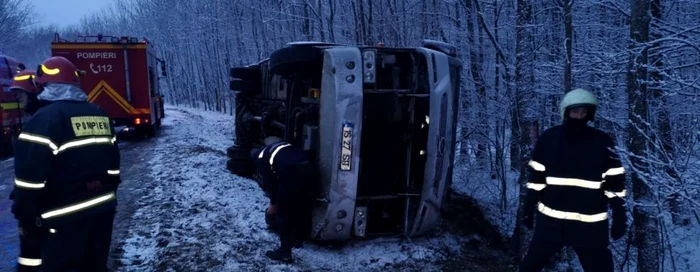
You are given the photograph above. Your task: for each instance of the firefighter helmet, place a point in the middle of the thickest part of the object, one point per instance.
(578, 98)
(24, 81)
(57, 70)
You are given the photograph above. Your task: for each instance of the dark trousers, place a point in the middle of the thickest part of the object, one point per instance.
(592, 259)
(293, 219)
(81, 245)
(29, 248)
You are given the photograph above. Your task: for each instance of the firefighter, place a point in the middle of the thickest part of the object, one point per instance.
(26, 92)
(292, 184)
(575, 177)
(67, 173)
(29, 241)
(29, 259)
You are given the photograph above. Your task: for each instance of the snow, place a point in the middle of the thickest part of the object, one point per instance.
(198, 216)
(487, 193)
(686, 246)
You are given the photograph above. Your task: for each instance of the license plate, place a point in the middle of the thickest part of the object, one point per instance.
(346, 151)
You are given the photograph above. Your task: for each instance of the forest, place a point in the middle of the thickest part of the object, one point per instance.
(640, 57)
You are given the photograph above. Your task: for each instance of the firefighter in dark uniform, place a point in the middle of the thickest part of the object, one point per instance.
(26, 92)
(575, 177)
(292, 184)
(29, 259)
(67, 173)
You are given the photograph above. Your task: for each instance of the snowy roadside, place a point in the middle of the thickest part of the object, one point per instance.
(487, 193)
(196, 216)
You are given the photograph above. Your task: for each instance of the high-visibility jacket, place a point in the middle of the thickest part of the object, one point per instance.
(282, 162)
(573, 181)
(66, 161)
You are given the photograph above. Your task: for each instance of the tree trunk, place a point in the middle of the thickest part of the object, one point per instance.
(476, 58)
(520, 144)
(569, 30)
(331, 20)
(645, 220)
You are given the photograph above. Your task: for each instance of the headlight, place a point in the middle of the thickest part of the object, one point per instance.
(368, 65)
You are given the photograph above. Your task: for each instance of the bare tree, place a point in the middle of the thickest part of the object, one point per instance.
(645, 219)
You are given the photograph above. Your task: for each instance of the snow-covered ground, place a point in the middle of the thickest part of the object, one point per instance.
(487, 193)
(196, 216)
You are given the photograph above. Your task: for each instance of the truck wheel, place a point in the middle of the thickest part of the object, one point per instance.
(147, 131)
(238, 153)
(250, 88)
(242, 168)
(246, 74)
(288, 60)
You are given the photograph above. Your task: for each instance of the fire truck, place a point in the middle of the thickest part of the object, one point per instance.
(120, 74)
(11, 112)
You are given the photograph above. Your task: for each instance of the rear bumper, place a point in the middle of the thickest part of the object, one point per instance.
(130, 121)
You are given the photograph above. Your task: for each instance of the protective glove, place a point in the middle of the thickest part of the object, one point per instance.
(619, 224)
(529, 209)
(271, 209)
(271, 218)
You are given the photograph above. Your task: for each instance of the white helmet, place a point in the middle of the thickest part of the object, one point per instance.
(577, 98)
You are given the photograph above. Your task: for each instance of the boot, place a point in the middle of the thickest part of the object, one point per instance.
(280, 254)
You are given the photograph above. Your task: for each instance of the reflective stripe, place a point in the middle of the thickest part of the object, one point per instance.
(614, 171)
(274, 152)
(52, 230)
(29, 184)
(38, 139)
(28, 261)
(76, 143)
(574, 182)
(79, 206)
(588, 218)
(536, 186)
(537, 166)
(85, 141)
(113, 172)
(610, 194)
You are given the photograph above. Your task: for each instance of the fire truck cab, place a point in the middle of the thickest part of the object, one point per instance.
(11, 112)
(120, 74)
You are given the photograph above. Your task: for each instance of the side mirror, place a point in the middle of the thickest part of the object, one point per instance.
(162, 68)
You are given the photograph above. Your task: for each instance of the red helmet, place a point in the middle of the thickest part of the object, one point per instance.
(57, 70)
(24, 81)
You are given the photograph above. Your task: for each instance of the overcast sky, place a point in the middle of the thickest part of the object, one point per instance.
(65, 12)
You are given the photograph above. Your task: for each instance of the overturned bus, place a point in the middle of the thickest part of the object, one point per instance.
(378, 123)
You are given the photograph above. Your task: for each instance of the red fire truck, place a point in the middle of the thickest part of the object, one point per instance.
(11, 112)
(120, 74)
